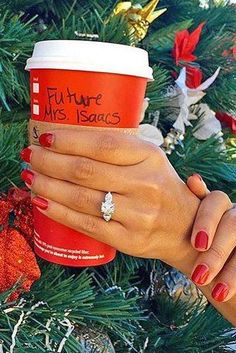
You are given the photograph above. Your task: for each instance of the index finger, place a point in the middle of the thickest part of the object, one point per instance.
(197, 185)
(106, 146)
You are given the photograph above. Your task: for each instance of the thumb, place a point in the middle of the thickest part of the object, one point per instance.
(197, 185)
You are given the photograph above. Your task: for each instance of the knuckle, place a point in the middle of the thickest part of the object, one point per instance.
(107, 143)
(231, 268)
(80, 197)
(230, 219)
(222, 197)
(156, 153)
(218, 254)
(148, 221)
(150, 185)
(90, 225)
(83, 168)
(42, 161)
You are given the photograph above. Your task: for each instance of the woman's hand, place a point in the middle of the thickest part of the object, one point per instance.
(154, 211)
(214, 234)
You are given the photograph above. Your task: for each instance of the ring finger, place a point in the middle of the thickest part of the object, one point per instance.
(74, 196)
(112, 233)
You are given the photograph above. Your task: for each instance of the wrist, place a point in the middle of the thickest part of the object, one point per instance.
(181, 254)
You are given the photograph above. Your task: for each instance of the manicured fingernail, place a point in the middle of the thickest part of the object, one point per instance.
(197, 176)
(40, 202)
(26, 154)
(27, 176)
(46, 139)
(201, 240)
(220, 292)
(200, 274)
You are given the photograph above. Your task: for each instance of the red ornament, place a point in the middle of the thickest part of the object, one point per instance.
(194, 76)
(185, 44)
(17, 263)
(227, 120)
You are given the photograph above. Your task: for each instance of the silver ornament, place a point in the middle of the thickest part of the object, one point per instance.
(93, 340)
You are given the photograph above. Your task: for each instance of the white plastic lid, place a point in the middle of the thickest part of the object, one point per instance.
(90, 56)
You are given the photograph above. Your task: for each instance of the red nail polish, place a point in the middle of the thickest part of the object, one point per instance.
(27, 176)
(26, 154)
(46, 139)
(200, 274)
(40, 202)
(201, 240)
(197, 176)
(220, 292)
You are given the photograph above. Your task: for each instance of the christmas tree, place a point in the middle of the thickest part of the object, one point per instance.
(131, 304)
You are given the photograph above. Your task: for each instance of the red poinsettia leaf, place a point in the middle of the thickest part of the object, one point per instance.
(194, 76)
(194, 38)
(227, 120)
(182, 40)
(17, 262)
(180, 37)
(185, 44)
(188, 58)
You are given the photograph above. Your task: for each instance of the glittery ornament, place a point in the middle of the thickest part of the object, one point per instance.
(173, 138)
(23, 211)
(176, 285)
(93, 340)
(17, 263)
(139, 18)
(5, 208)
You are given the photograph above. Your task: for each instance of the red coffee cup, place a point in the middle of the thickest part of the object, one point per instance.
(82, 85)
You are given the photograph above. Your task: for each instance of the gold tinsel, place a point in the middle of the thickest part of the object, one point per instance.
(139, 18)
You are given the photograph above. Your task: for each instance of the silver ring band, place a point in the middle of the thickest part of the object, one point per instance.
(108, 207)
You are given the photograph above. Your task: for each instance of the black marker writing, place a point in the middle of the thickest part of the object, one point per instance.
(107, 118)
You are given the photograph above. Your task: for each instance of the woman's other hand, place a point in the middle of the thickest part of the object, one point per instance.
(214, 235)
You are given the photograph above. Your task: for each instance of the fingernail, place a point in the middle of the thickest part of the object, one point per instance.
(200, 274)
(201, 240)
(26, 154)
(40, 202)
(197, 176)
(27, 176)
(46, 139)
(220, 292)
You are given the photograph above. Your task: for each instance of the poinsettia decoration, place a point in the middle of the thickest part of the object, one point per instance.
(184, 46)
(227, 120)
(17, 259)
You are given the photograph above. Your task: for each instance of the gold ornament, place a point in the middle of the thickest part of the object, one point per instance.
(231, 144)
(139, 18)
